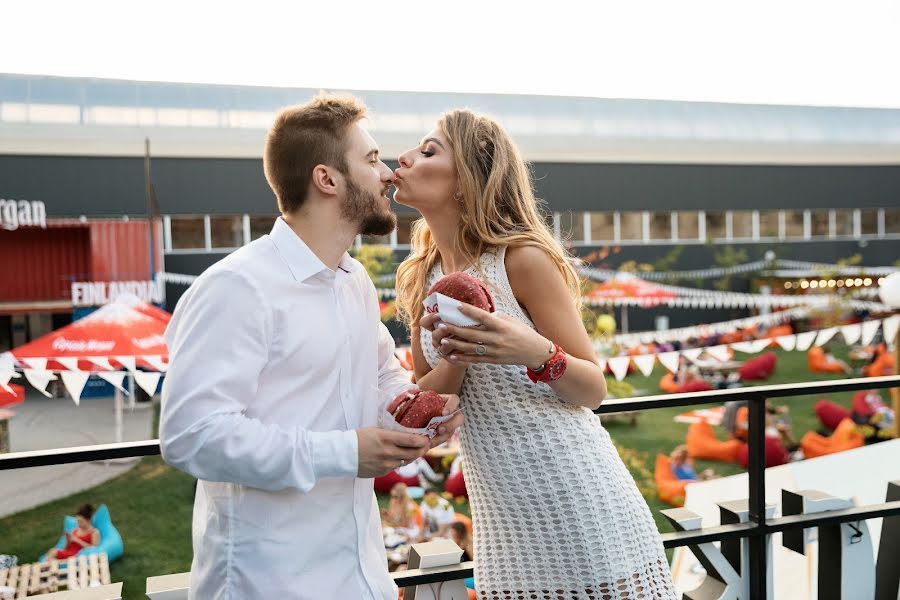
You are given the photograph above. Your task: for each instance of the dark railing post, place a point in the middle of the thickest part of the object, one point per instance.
(756, 471)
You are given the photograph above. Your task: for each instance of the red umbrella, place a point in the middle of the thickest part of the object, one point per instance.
(629, 287)
(17, 396)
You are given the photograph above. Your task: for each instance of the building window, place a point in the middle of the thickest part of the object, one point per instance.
(688, 225)
(769, 224)
(260, 226)
(793, 223)
(741, 224)
(891, 220)
(868, 221)
(661, 226)
(843, 223)
(820, 223)
(571, 226)
(226, 232)
(188, 233)
(602, 227)
(404, 228)
(715, 226)
(631, 226)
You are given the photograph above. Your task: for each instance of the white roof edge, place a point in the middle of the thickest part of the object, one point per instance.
(79, 140)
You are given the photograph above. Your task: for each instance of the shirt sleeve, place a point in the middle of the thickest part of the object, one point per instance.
(218, 346)
(392, 377)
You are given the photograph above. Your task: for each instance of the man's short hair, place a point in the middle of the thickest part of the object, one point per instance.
(304, 136)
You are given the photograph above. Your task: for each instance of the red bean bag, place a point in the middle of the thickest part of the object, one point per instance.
(456, 485)
(703, 443)
(830, 414)
(776, 453)
(384, 484)
(695, 385)
(861, 406)
(668, 487)
(845, 437)
(759, 368)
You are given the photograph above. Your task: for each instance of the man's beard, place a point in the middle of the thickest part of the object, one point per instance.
(364, 207)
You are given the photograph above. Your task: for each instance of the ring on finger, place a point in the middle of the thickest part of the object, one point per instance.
(480, 349)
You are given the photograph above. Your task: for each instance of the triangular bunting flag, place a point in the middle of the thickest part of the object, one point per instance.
(851, 333)
(745, 347)
(126, 361)
(869, 329)
(669, 360)
(69, 363)
(805, 340)
(825, 336)
(157, 363)
(74, 382)
(891, 324)
(7, 369)
(147, 380)
(37, 364)
(40, 379)
(619, 366)
(788, 342)
(601, 362)
(692, 353)
(644, 362)
(101, 361)
(114, 377)
(720, 353)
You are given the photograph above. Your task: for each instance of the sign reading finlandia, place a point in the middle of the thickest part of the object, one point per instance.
(97, 293)
(16, 213)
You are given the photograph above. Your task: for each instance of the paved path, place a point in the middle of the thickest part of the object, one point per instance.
(42, 423)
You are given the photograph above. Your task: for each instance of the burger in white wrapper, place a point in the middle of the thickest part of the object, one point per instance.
(413, 411)
(447, 294)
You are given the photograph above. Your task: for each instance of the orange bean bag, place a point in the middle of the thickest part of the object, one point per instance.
(845, 437)
(816, 362)
(668, 487)
(461, 518)
(881, 366)
(703, 443)
(778, 331)
(668, 384)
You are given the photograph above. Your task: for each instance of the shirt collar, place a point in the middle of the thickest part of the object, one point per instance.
(302, 261)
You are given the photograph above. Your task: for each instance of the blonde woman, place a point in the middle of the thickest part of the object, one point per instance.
(555, 512)
(401, 511)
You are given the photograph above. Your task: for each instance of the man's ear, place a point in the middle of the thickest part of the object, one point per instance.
(325, 179)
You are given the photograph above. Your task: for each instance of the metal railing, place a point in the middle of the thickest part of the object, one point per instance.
(756, 529)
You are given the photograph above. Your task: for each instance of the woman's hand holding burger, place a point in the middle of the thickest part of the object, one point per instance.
(499, 339)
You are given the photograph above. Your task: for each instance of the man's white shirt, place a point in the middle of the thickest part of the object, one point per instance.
(274, 362)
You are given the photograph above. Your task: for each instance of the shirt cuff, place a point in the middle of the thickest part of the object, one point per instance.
(334, 453)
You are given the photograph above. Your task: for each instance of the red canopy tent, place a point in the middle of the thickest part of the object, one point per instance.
(124, 334)
(628, 287)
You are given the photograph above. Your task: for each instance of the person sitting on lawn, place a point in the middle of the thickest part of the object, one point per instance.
(438, 515)
(401, 511)
(460, 536)
(83, 536)
(683, 466)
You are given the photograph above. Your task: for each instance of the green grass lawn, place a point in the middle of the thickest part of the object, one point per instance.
(151, 504)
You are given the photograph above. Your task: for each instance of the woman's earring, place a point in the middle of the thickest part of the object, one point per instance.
(458, 196)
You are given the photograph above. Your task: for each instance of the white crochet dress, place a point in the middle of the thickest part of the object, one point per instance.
(556, 514)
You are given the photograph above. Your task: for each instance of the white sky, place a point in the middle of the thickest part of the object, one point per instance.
(822, 52)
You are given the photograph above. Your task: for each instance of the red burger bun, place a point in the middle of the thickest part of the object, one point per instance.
(465, 288)
(416, 408)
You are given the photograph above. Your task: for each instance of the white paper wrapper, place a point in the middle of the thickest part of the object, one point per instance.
(448, 308)
(386, 419)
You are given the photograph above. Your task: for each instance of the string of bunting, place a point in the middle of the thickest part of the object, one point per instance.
(862, 333)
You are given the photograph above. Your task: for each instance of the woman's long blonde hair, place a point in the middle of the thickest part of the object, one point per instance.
(498, 209)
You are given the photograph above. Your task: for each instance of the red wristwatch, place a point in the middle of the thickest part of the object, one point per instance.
(553, 369)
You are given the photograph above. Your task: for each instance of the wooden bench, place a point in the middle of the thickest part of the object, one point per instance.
(75, 573)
